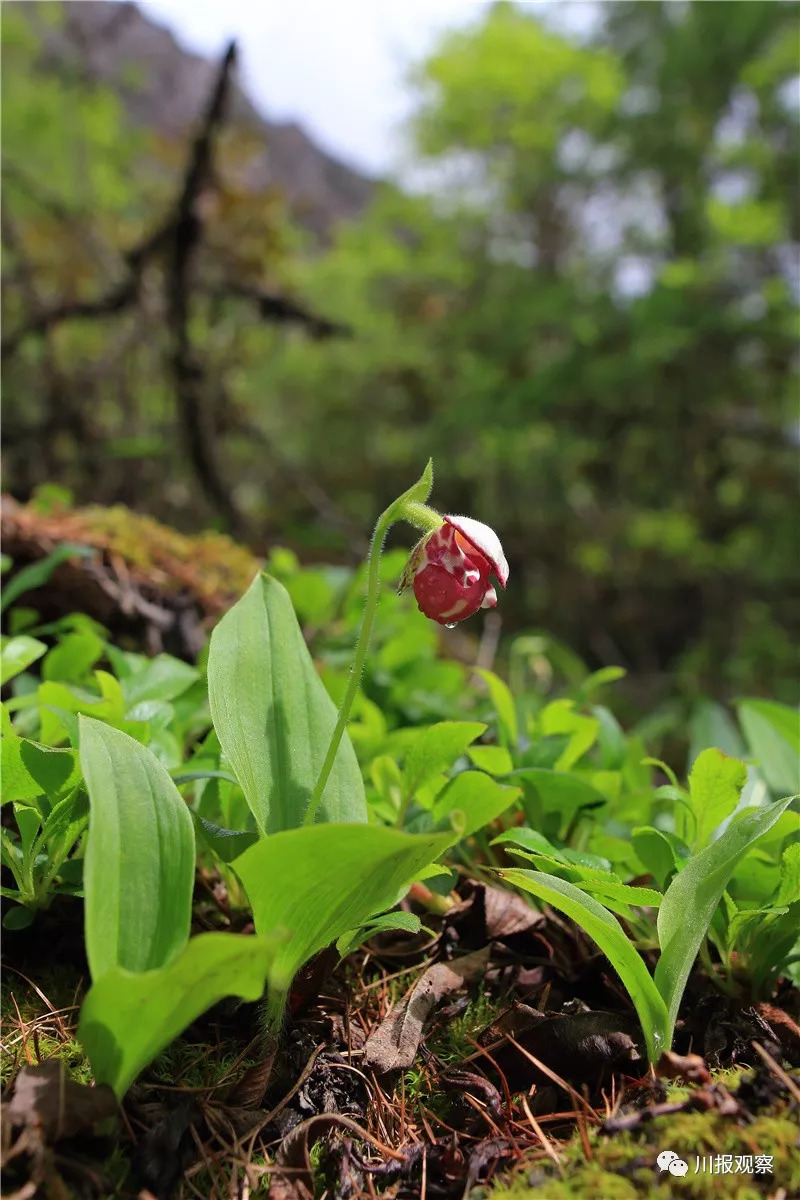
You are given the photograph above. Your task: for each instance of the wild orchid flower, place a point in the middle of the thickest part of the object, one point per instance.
(450, 570)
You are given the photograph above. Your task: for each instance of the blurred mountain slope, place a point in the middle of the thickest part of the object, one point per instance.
(164, 87)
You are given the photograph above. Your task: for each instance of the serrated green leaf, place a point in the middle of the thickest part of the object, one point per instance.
(789, 887)
(435, 749)
(534, 842)
(715, 785)
(623, 892)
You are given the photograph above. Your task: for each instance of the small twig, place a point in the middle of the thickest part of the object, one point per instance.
(108, 304)
(778, 1070)
(548, 1146)
(562, 1083)
(279, 309)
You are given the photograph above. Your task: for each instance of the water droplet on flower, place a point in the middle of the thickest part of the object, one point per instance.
(447, 626)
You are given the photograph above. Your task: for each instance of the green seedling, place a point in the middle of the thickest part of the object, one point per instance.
(685, 913)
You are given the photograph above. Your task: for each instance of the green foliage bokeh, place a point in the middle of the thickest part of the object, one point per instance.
(584, 309)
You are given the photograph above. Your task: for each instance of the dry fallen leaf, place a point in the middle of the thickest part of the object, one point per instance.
(394, 1044)
(579, 1047)
(691, 1068)
(293, 1178)
(45, 1099)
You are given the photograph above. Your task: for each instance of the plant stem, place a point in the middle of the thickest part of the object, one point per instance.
(724, 984)
(409, 507)
(362, 646)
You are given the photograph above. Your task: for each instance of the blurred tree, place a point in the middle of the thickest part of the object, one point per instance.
(586, 311)
(590, 319)
(126, 251)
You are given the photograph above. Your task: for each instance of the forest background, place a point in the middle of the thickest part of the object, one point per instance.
(584, 308)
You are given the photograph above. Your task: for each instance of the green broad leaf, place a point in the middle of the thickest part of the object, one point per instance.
(73, 657)
(495, 760)
(140, 855)
(784, 832)
(746, 922)
(19, 917)
(387, 780)
(690, 900)
(536, 843)
(597, 680)
(477, 796)
(715, 785)
(662, 854)
(528, 839)
(60, 704)
(606, 930)
(580, 876)
(179, 778)
(755, 882)
(314, 884)
(611, 739)
(400, 922)
(160, 678)
(29, 822)
(67, 819)
(17, 654)
(503, 701)
(712, 725)
(435, 749)
(156, 713)
(39, 572)
(559, 717)
(227, 844)
(274, 718)
(777, 950)
(773, 735)
(623, 892)
(789, 887)
(558, 791)
(128, 1017)
(30, 770)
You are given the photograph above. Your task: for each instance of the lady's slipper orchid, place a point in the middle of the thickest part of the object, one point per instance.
(450, 568)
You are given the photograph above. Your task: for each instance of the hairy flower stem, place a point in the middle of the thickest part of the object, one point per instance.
(409, 508)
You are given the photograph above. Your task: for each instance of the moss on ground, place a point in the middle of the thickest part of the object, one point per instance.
(623, 1165)
(35, 1029)
(210, 566)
